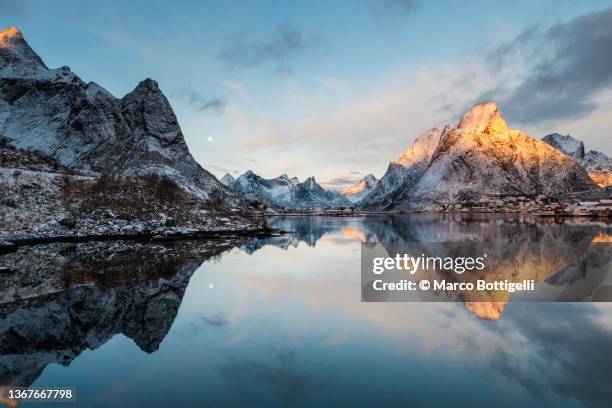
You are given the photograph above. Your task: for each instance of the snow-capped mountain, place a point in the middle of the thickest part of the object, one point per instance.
(287, 192)
(84, 127)
(597, 164)
(359, 190)
(478, 157)
(227, 180)
(567, 144)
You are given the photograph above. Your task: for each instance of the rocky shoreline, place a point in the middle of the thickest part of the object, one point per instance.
(261, 232)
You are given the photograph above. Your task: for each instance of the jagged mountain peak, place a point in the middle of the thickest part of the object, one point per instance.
(147, 86)
(479, 157)
(598, 165)
(227, 180)
(16, 55)
(310, 181)
(567, 144)
(287, 192)
(362, 184)
(484, 117)
(369, 178)
(85, 128)
(10, 33)
(148, 111)
(361, 189)
(421, 149)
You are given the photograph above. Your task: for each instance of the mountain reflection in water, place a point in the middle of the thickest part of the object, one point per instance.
(303, 306)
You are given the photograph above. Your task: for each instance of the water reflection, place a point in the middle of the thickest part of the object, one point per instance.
(61, 299)
(571, 256)
(278, 322)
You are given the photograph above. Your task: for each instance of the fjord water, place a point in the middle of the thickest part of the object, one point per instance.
(279, 322)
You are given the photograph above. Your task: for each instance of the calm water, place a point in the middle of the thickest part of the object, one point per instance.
(279, 322)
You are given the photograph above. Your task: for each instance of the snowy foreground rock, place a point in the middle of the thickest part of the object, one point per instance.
(62, 138)
(597, 164)
(285, 192)
(477, 160)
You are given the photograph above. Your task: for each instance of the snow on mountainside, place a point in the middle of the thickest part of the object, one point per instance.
(566, 144)
(40, 198)
(287, 192)
(227, 180)
(597, 165)
(86, 128)
(359, 190)
(479, 157)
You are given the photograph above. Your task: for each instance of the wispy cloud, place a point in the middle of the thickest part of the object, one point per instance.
(199, 102)
(280, 47)
(340, 182)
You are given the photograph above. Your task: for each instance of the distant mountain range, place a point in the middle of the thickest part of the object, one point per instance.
(478, 157)
(597, 164)
(285, 192)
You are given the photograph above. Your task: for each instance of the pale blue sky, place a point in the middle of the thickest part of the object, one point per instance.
(334, 89)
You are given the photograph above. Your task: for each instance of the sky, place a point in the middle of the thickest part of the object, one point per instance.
(337, 89)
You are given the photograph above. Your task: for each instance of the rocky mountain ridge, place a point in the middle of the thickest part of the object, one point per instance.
(597, 164)
(76, 161)
(478, 157)
(84, 127)
(359, 190)
(286, 192)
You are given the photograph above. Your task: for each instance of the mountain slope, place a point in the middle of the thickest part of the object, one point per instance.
(359, 190)
(597, 165)
(84, 127)
(287, 192)
(401, 175)
(40, 198)
(478, 157)
(227, 180)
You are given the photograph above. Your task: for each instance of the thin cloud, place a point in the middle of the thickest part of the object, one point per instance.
(339, 182)
(216, 105)
(280, 47)
(217, 320)
(199, 102)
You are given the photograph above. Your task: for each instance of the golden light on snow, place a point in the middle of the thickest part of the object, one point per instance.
(7, 34)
